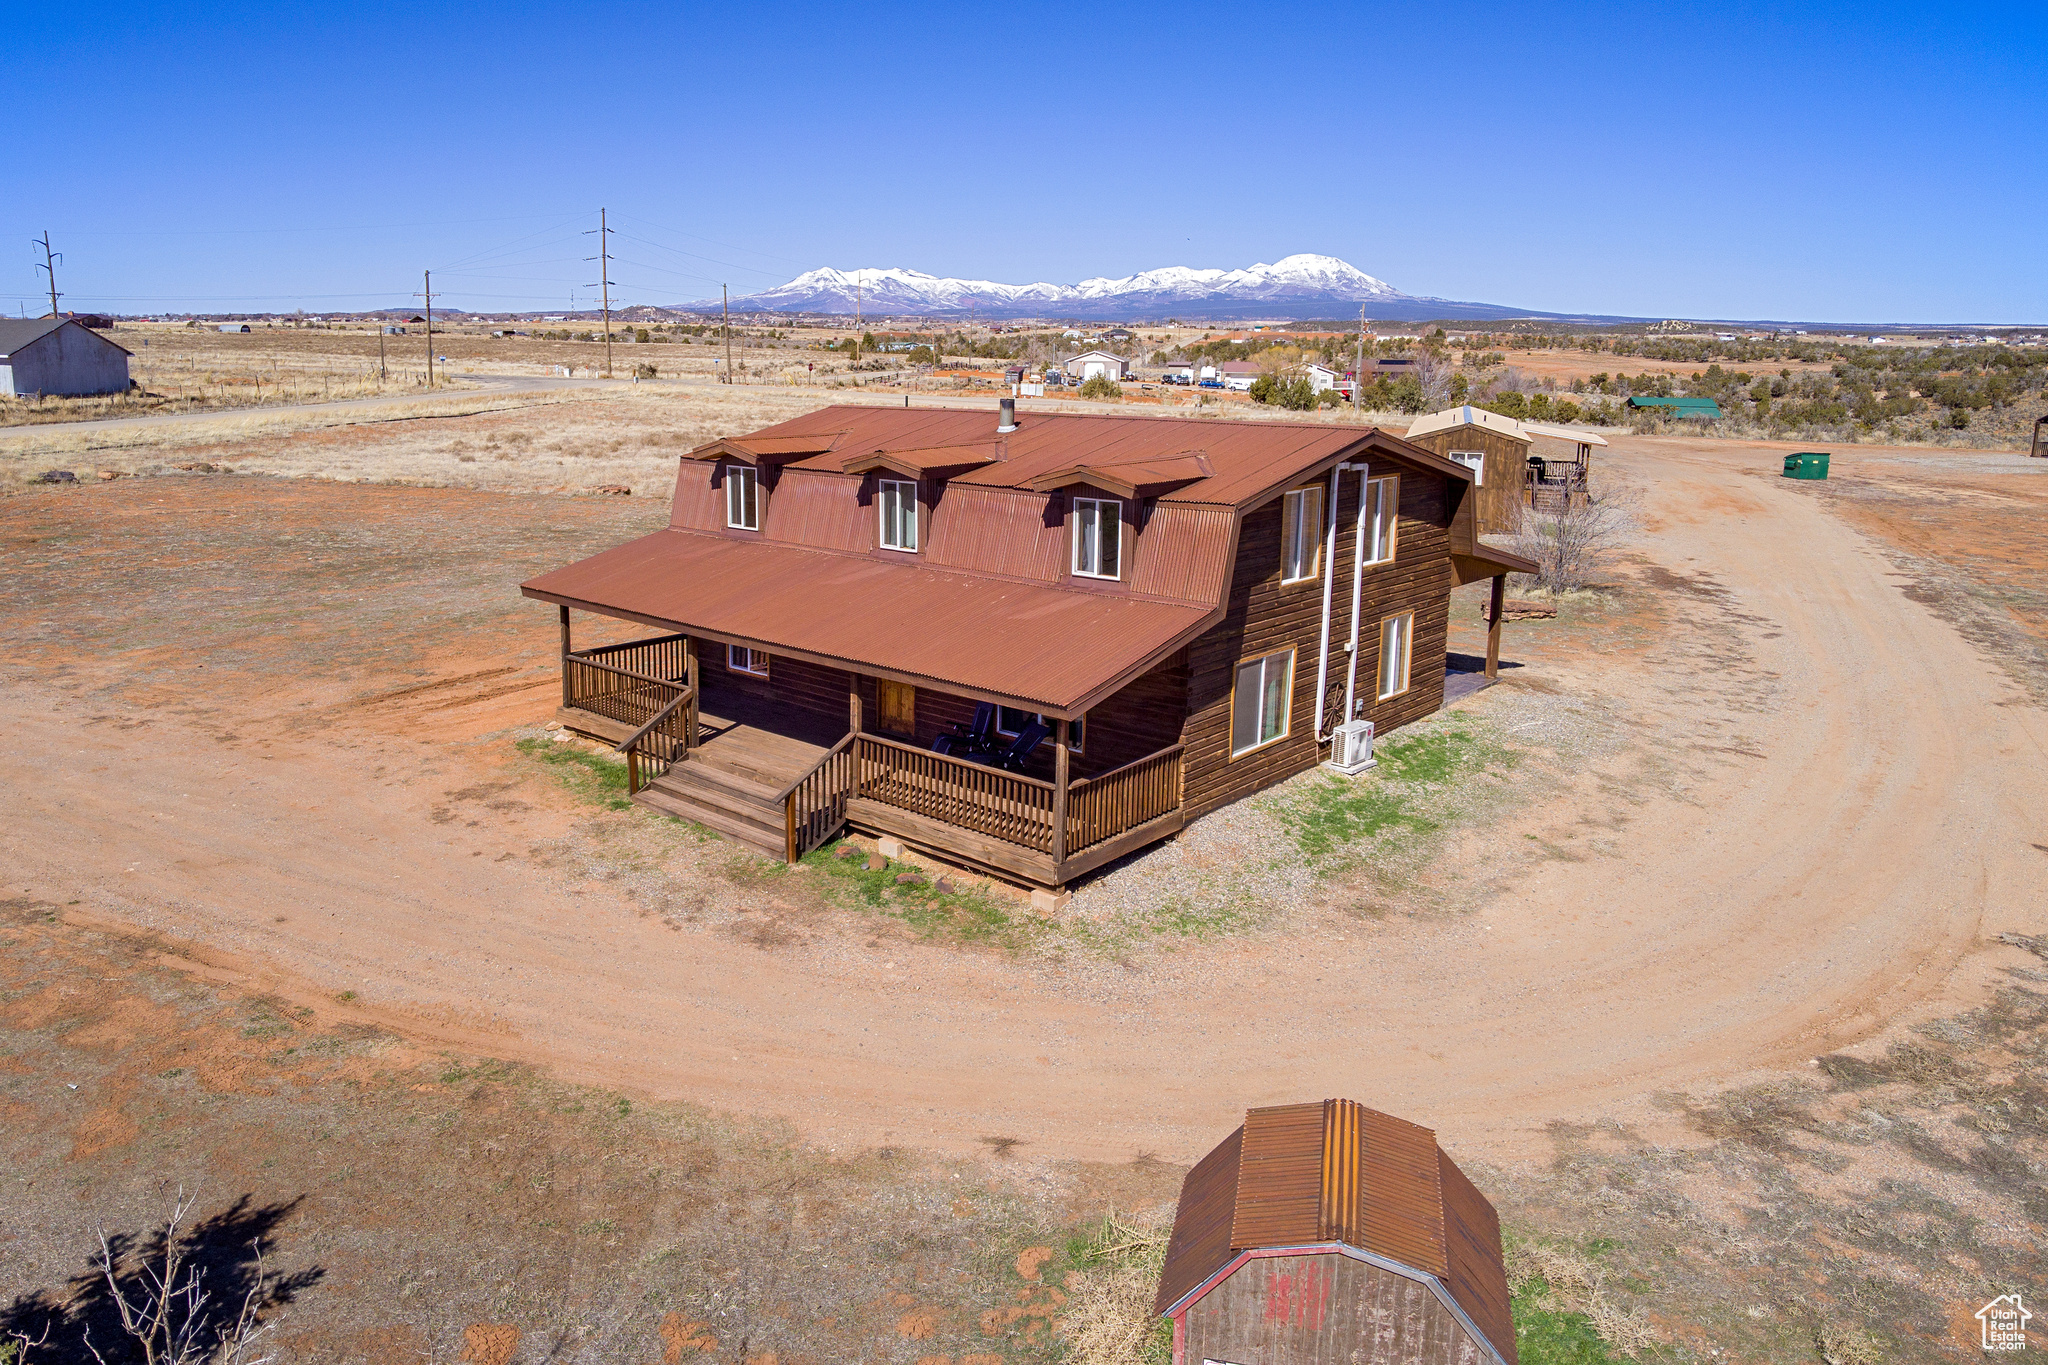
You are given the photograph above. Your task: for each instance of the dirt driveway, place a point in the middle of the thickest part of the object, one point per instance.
(268, 719)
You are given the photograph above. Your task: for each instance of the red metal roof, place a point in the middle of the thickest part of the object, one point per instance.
(1047, 648)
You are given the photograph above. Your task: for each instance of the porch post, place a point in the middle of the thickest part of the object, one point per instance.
(1493, 613)
(1059, 795)
(696, 697)
(853, 700)
(565, 655)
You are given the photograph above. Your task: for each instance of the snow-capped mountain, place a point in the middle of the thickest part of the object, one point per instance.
(1301, 286)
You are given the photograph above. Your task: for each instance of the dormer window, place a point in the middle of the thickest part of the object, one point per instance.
(897, 499)
(1098, 537)
(743, 497)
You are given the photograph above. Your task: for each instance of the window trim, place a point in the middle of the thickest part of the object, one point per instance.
(1478, 470)
(882, 516)
(1290, 527)
(1078, 727)
(753, 656)
(1391, 505)
(1287, 727)
(1407, 656)
(1074, 538)
(748, 474)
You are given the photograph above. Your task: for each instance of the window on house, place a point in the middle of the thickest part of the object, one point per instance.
(740, 659)
(1098, 535)
(1301, 534)
(1382, 503)
(742, 497)
(1474, 460)
(1259, 701)
(1397, 635)
(898, 501)
(1010, 721)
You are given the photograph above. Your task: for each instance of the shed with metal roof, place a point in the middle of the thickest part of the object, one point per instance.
(1333, 1232)
(1700, 409)
(58, 357)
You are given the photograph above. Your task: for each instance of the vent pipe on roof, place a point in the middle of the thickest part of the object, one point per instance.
(1009, 419)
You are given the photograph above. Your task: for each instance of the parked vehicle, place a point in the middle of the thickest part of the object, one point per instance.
(1210, 384)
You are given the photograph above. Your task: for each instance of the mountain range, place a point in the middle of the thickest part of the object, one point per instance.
(1301, 286)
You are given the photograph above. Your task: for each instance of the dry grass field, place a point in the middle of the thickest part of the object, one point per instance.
(321, 921)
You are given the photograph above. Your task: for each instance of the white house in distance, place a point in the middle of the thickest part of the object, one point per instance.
(1321, 377)
(58, 357)
(1239, 374)
(1089, 364)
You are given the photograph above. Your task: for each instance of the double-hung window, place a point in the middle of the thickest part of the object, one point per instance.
(1259, 701)
(898, 501)
(1382, 506)
(740, 659)
(1474, 460)
(1301, 534)
(1397, 634)
(743, 497)
(1098, 537)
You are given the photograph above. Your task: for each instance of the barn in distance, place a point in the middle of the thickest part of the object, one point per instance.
(58, 358)
(1328, 1232)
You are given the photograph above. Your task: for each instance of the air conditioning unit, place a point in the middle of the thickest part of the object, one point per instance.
(1351, 747)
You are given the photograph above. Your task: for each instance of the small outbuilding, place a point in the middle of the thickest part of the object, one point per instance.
(1508, 473)
(58, 357)
(1699, 409)
(1332, 1232)
(1089, 364)
(1239, 374)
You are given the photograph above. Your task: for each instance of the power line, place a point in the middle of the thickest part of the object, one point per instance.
(604, 282)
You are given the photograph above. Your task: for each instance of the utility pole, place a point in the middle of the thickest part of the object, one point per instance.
(1358, 375)
(49, 266)
(430, 329)
(380, 352)
(604, 283)
(725, 303)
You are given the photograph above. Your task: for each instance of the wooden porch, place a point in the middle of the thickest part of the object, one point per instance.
(779, 781)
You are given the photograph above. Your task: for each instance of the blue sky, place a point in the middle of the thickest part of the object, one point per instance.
(1864, 162)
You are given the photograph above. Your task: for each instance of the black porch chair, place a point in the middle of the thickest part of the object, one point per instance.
(1013, 758)
(965, 741)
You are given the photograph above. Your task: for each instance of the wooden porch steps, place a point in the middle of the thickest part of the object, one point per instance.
(726, 803)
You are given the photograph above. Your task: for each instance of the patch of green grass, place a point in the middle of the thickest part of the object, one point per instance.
(1549, 1336)
(967, 914)
(1335, 813)
(594, 777)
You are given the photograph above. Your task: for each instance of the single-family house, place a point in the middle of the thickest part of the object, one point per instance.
(58, 357)
(1321, 377)
(1239, 374)
(1509, 470)
(1027, 643)
(1089, 364)
(1331, 1232)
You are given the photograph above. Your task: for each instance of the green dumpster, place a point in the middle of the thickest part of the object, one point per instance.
(1807, 464)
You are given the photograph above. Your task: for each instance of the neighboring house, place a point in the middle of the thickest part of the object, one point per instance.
(1089, 364)
(58, 357)
(1332, 1232)
(1161, 616)
(1507, 473)
(1701, 409)
(1239, 374)
(1321, 377)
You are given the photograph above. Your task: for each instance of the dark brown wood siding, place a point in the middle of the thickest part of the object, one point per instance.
(1142, 719)
(1264, 616)
(1497, 503)
(1324, 1309)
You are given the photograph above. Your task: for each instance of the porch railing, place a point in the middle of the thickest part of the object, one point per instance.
(664, 656)
(662, 741)
(814, 806)
(628, 682)
(1100, 808)
(1017, 810)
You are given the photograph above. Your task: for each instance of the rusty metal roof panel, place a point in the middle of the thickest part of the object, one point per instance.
(1280, 1180)
(1248, 457)
(1477, 1275)
(1184, 552)
(998, 531)
(699, 503)
(819, 510)
(1404, 1207)
(1047, 648)
(1201, 1227)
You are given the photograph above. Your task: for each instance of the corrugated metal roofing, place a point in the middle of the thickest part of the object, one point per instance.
(1305, 1174)
(16, 333)
(1044, 648)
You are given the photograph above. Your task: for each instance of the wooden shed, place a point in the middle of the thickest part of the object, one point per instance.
(1509, 470)
(1328, 1232)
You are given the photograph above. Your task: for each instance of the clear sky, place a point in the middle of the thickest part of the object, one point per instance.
(1826, 161)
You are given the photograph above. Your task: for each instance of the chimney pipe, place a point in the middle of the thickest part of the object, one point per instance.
(1009, 418)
